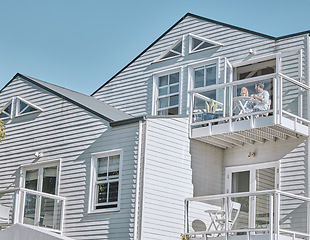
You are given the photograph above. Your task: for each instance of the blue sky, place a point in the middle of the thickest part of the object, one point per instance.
(80, 44)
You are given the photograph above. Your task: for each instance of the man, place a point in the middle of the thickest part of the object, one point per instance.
(261, 99)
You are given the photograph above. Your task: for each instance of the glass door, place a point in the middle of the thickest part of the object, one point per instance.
(254, 210)
(39, 210)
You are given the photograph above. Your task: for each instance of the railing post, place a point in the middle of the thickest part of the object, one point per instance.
(186, 216)
(277, 216)
(275, 100)
(227, 210)
(62, 216)
(17, 207)
(280, 99)
(271, 202)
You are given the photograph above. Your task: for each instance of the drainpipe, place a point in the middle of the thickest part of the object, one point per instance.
(139, 159)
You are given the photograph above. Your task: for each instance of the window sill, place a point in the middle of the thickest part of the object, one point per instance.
(104, 210)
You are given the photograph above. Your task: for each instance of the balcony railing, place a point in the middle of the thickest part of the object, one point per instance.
(269, 214)
(21, 205)
(219, 109)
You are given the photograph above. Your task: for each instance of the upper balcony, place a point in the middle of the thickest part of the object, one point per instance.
(221, 117)
(26, 206)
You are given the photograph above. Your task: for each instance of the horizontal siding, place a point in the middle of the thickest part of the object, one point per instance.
(167, 178)
(67, 132)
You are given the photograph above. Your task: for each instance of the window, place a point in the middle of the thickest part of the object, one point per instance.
(105, 184)
(18, 107)
(168, 88)
(175, 51)
(205, 76)
(197, 44)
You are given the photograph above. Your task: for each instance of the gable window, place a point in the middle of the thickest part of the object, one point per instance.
(105, 189)
(168, 97)
(16, 107)
(6, 111)
(175, 50)
(197, 44)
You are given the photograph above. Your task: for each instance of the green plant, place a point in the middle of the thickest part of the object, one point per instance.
(2, 130)
(211, 108)
(184, 236)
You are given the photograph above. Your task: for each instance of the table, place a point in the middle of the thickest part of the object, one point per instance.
(241, 104)
(216, 217)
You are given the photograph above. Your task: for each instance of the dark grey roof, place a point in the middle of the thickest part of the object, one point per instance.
(90, 104)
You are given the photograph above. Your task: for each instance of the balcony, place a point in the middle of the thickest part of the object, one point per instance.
(269, 214)
(221, 117)
(25, 206)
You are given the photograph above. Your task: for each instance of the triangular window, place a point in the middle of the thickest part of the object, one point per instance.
(6, 111)
(175, 51)
(23, 107)
(198, 43)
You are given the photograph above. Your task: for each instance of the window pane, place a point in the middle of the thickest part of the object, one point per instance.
(31, 180)
(113, 192)
(170, 54)
(174, 100)
(174, 89)
(195, 42)
(205, 45)
(22, 106)
(163, 102)
(49, 180)
(163, 81)
(102, 193)
(173, 111)
(114, 166)
(174, 78)
(199, 78)
(163, 91)
(211, 75)
(102, 167)
(8, 109)
(178, 48)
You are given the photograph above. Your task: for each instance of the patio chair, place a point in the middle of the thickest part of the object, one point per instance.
(4, 216)
(199, 226)
(234, 210)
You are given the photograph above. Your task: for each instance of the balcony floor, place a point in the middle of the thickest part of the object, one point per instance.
(256, 130)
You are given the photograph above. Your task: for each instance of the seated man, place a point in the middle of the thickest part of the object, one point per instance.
(261, 99)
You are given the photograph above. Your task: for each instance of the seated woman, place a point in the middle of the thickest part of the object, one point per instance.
(245, 93)
(261, 99)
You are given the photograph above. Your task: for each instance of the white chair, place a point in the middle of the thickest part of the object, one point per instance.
(233, 212)
(4, 215)
(199, 226)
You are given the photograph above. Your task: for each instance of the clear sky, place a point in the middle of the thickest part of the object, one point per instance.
(80, 44)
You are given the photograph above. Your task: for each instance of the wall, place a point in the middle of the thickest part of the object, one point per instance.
(167, 178)
(67, 132)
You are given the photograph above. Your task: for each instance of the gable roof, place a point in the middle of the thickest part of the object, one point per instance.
(205, 19)
(91, 104)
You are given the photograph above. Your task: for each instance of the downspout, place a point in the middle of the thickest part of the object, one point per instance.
(139, 160)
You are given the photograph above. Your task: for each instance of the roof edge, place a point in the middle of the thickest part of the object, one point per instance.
(59, 95)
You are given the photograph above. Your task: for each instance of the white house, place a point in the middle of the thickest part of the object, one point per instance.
(166, 146)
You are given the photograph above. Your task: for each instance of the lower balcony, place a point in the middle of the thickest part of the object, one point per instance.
(261, 215)
(25, 206)
(221, 116)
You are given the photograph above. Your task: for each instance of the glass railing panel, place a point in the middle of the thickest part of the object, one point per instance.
(50, 213)
(293, 214)
(262, 211)
(210, 105)
(239, 210)
(251, 97)
(7, 204)
(30, 209)
(294, 99)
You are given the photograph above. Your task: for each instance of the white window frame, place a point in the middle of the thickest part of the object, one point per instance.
(155, 101)
(191, 36)
(17, 106)
(94, 182)
(160, 58)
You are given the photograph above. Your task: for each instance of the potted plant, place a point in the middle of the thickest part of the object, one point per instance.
(210, 110)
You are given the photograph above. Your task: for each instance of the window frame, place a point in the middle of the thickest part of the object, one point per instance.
(17, 106)
(160, 58)
(94, 182)
(191, 36)
(155, 101)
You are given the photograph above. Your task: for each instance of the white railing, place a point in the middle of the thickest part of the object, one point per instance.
(271, 213)
(288, 98)
(21, 205)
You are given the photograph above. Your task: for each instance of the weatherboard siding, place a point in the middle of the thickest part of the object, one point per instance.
(167, 178)
(68, 133)
(131, 90)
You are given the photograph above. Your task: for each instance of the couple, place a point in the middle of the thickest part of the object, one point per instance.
(261, 99)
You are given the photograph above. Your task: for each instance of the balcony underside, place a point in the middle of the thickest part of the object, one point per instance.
(249, 131)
